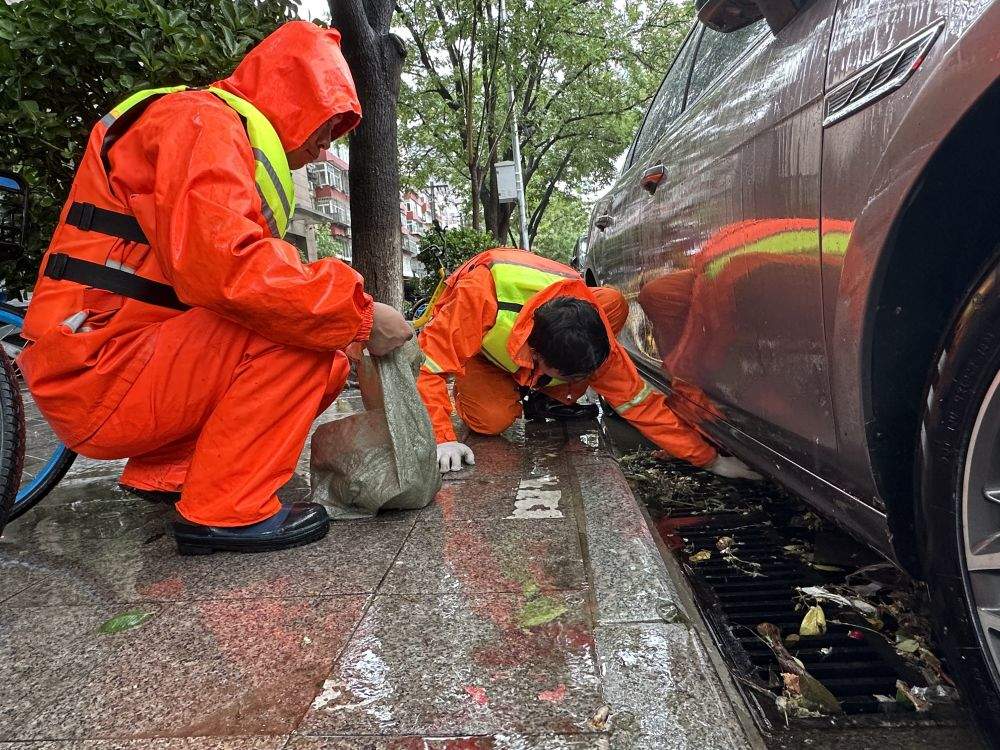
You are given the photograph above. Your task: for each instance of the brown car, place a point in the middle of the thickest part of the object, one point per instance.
(807, 228)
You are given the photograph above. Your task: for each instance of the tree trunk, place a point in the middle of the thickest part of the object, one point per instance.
(376, 60)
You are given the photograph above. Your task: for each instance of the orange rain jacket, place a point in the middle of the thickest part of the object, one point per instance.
(468, 310)
(185, 170)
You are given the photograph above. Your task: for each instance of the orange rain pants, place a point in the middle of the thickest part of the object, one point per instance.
(229, 473)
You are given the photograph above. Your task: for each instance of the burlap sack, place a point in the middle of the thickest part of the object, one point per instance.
(385, 456)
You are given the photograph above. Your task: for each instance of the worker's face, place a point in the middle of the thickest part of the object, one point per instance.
(319, 140)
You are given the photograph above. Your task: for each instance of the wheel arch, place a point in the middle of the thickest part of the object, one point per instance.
(939, 247)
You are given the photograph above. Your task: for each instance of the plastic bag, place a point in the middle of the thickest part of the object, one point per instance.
(385, 456)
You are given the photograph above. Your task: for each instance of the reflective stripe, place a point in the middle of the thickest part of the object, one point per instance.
(265, 209)
(431, 366)
(261, 157)
(641, 396)
(118, 265)
(108, 119)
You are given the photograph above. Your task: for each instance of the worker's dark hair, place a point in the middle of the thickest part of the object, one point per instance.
(570, 336)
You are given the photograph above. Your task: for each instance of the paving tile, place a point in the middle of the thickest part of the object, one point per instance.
(488, 556)
(663, 689)
(493, 742)
(462, 665)
(491, 494)
(151, 570)
(205, 668)
(631, 582)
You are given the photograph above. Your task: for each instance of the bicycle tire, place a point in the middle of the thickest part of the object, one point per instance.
(62, 458)
(11, 437)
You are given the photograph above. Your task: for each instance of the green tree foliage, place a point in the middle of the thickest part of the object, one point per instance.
(583, 72)
(450, 248)
(65, 63)
(561, 226)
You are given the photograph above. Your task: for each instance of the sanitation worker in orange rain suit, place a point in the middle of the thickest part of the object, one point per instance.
(172, 325)
(510, 322)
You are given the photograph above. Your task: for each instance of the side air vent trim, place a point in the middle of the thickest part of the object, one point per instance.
(881, 77)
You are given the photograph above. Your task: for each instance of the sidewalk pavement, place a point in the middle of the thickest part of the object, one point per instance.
(528, 607)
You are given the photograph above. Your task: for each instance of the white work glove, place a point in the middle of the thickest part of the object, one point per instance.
(731, 468)
(450, 456)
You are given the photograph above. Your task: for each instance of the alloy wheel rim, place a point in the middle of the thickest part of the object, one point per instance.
(980, 534)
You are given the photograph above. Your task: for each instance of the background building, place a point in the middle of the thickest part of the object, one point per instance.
(330, 193)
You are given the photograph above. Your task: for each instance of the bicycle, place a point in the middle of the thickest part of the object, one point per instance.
(32, 459)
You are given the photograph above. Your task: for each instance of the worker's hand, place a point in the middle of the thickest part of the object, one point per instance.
(389, 330)
(732, 468)
(451, 455)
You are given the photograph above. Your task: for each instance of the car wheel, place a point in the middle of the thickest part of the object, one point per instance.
(959, 479)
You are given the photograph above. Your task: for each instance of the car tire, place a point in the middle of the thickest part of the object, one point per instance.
(957, 415)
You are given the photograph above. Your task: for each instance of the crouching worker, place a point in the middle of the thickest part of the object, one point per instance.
(511, 320)
(172, 325)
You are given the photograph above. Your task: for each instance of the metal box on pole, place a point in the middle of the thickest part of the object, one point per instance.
(506, 182)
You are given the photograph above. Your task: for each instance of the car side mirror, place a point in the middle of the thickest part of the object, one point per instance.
(732, 15)
(13, 215)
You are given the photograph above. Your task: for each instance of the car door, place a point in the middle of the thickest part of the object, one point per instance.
(728, 280)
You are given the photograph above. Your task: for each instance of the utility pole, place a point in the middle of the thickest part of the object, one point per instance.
(515, 140)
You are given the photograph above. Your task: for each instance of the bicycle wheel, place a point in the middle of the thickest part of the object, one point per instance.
(46, 459)
(11, 437)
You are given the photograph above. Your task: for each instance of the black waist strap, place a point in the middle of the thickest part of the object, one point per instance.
(90, 218)
(62, 267)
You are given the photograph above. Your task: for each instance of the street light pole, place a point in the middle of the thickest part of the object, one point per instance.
(515, 142)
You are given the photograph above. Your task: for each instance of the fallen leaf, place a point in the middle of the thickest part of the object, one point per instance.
(856, 634)
(816, 696)
(724, 542)
(599, 720)
(539, 611)
(814, 622)
(826, 568)
(821, 594)
(702, 556)
(125, 621)
(907, 646)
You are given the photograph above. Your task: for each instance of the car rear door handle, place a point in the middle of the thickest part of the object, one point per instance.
(652, 178)
(604, 221)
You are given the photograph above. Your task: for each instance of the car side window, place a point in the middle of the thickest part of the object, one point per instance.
(715, 53)
(669, 100)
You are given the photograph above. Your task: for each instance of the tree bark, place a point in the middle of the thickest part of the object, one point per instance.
(376, 60)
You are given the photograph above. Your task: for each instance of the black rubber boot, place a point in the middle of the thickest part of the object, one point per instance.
(295, 524)
(539, 407)
(153, 496)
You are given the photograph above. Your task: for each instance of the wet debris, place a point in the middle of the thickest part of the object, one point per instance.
(802, 694)
(842, 587)
(676, 487)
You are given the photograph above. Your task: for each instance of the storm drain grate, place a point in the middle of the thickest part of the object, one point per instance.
(854, 666)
